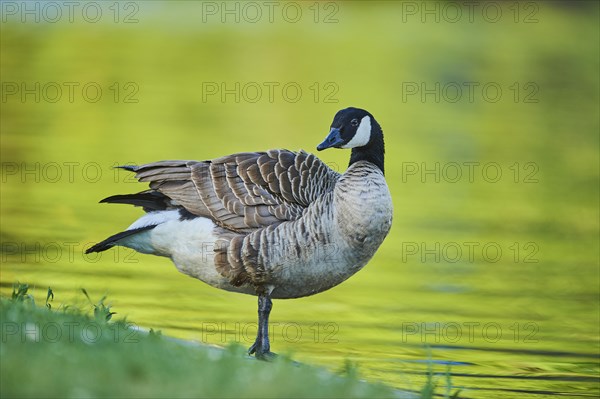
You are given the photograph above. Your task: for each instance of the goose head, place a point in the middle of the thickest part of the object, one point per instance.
(356, 129)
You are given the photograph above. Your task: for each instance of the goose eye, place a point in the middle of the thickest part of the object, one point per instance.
(354, 122)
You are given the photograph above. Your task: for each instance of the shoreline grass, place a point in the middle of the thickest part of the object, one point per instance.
(64, 352)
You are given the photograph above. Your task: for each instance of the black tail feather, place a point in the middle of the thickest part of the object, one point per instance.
(150, 200)
(112, 240)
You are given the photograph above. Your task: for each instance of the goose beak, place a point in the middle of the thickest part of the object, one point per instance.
(333, 139)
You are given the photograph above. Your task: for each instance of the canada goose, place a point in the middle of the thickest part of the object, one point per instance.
(275, 224)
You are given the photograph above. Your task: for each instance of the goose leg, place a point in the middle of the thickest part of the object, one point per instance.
(261, 347)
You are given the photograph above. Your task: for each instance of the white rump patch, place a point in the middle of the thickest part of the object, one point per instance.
(362, 135)
(155, 218)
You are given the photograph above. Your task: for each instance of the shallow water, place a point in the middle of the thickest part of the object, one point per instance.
(491, 267)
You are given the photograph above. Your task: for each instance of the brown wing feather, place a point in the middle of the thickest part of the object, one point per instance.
(246, 191)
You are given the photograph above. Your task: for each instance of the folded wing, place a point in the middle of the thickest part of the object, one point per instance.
(242, 192)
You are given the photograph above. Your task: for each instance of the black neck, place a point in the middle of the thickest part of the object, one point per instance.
(373, 152)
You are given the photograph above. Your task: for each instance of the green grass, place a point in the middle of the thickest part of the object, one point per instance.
(64, 352)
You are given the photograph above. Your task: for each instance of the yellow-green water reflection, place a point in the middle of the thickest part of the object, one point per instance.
(520, 321)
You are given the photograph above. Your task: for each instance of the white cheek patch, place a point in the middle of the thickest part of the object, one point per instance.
(362, 135)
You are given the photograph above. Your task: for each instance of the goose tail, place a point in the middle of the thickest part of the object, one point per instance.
(116, 239)
(149, 200)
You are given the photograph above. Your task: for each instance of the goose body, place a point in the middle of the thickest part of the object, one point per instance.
(276, 224)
